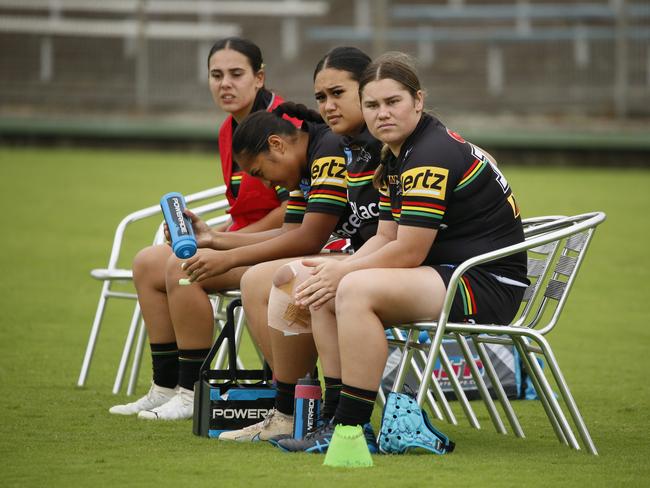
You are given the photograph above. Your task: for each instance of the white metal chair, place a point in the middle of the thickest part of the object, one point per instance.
(112, 273)
(556, 247)
(435, 393)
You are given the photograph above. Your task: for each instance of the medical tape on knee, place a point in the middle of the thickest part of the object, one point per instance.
(283, 313)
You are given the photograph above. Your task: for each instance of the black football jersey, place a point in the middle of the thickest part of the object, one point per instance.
(440, 181)
(325, 186)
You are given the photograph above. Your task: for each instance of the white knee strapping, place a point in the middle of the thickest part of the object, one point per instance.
(283, 314)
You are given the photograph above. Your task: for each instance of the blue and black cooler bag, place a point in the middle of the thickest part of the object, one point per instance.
(221, 401)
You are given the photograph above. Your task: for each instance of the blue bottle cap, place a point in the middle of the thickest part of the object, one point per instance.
(185, 249)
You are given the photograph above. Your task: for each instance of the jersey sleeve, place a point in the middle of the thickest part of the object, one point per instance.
(426, 190)
(328, 178)
(281, 193)
(296, 207)
(384, 204)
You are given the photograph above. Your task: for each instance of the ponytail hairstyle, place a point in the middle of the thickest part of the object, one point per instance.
(399, 67)
(345, 58)
(298, 111)
(251, 137)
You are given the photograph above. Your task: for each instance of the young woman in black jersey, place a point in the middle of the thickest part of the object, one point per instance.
(236, 81)
(285, 334)
(442, 202)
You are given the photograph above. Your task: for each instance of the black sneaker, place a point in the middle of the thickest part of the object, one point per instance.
(319, 440)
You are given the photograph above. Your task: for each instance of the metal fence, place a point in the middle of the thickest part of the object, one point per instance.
(149, 56)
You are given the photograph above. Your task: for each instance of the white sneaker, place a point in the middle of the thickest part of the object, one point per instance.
(275, 423)
(180, 407)
(157, 396)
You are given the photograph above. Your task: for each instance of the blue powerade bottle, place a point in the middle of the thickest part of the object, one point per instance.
(180, 225)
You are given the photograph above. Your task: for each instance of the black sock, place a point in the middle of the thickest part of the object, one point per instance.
(190, 361)
(332, 392)
(164, 358)
(285, 397)
(355, 406)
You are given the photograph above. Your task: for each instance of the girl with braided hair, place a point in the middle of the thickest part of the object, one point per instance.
(284, 331)
(236, 81)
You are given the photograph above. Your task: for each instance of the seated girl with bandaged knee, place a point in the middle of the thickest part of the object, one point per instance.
(443, 201)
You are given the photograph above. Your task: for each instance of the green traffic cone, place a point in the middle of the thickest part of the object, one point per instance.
(348, 448)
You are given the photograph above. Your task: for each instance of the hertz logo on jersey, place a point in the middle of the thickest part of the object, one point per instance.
(425, 181)
(329, 170)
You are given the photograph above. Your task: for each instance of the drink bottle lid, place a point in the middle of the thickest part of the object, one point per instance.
(308, 380)
(184, 250)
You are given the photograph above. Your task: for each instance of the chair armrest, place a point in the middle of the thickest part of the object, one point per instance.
(155, 209)
(540, 235)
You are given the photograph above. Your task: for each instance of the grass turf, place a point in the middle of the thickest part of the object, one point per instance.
(61, 209)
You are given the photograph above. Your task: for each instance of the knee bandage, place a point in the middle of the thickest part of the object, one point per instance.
(283, 314)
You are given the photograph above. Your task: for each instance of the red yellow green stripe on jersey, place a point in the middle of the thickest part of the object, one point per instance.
(384, 204)
(296, 204)
(329, 196)
(282, 193)
(474, 170)
(466, 293)
(360, 179)
(422, 209)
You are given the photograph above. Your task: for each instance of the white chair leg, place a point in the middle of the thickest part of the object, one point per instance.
(458, 389)
(431, 399)
(568, 397)
(137, 359)
(94, 333)
(498, 388)
(480, 385)
(126, 351)
(545, 396)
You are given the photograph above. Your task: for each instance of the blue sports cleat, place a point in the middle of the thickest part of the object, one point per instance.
(405, 425)
(319, 440)
(319, 423)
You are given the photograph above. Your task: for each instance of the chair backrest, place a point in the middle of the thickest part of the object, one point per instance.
(539, 263)
(553, 267)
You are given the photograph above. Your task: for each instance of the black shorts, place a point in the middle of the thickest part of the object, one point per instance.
(481, 298)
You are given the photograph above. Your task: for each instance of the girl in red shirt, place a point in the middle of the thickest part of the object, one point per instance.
(236, 81)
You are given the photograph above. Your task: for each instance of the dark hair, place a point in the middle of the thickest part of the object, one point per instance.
(390, 66)
(345, 58)
(242, 46)
(252, 134)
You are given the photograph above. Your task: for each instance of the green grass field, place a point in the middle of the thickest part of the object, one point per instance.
(61, 209)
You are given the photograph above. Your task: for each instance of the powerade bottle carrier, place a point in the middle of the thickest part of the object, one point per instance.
(180, 225)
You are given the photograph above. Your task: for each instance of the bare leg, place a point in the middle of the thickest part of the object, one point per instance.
(149, 279)
(294, 356)
(368, 300)
(190, 308)
(255, 288)
(325, 335)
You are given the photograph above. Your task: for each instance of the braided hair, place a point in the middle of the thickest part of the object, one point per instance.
(396, 66)
(252, 135)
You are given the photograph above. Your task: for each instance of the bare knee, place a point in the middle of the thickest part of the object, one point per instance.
(257, 280)
(173, 267)
(149, 265)
(353, 293)
(284, 275)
